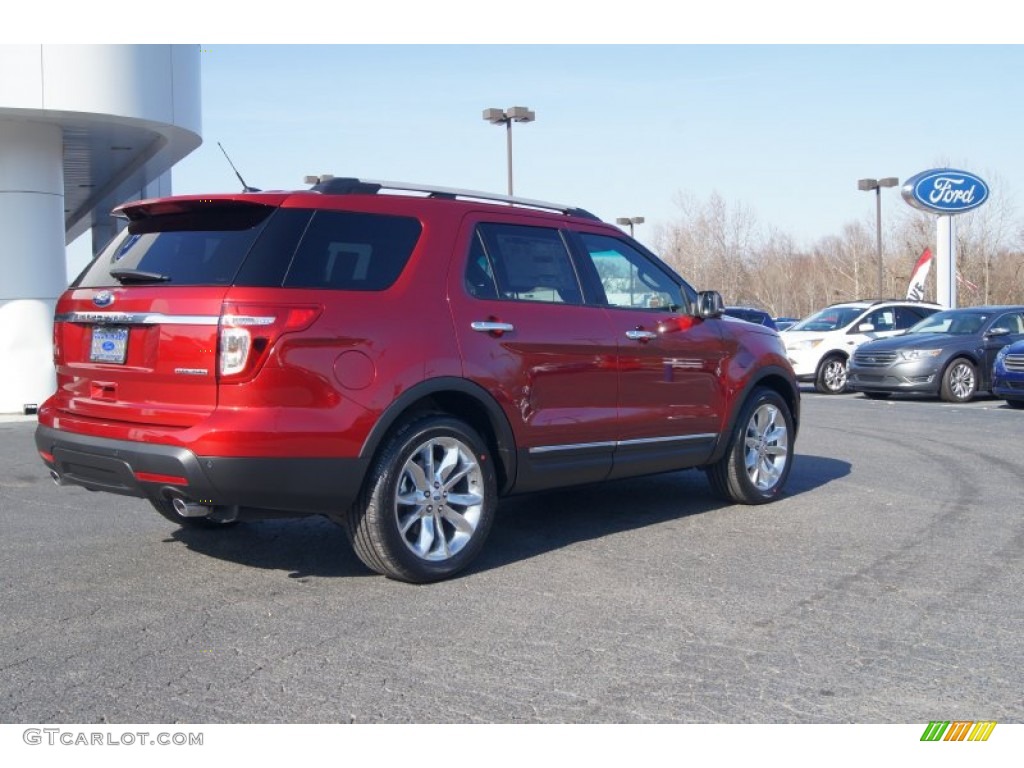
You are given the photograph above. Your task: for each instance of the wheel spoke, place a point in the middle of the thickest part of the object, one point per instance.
(449, 462)
(459, 522)
(427, 535)
(468, 499)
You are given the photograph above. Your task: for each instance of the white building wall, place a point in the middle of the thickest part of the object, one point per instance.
(144, 95)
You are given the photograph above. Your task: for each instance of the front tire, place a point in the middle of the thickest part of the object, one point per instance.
(428, 504)
(1018, 404)
(756, 464)
(831, 377)
(959, 381)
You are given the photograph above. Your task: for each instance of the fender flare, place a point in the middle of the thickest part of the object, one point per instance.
(505, 442)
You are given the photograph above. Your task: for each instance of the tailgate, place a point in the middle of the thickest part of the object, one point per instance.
(135, 337)
(151, 361)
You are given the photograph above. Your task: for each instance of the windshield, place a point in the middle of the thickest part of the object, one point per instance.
(953, 322)
(828, 319)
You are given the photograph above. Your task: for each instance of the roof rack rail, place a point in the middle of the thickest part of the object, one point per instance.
(338, 185)
(873, 302)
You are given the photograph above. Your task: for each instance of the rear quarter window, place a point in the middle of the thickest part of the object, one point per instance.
(344, 250)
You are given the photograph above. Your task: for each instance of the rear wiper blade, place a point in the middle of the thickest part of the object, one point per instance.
(138, 276)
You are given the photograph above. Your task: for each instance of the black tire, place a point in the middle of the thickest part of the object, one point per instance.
(756, 464)
(165, 508)
(877, 395)
(831, 376)
(405, 524)
(959, 381)
(1018, 404)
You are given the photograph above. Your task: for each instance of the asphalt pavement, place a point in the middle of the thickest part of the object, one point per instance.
(885, 587)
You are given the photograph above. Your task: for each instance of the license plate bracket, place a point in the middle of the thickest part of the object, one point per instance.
(109, 344)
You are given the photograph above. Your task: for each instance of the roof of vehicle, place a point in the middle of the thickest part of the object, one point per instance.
(873, 302)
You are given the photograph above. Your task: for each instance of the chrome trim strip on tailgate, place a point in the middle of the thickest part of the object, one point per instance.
(135, 318)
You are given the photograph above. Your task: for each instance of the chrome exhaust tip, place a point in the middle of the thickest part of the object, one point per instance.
(56, 477)
(189, 509)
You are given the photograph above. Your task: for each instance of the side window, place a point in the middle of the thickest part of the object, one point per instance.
(1011, 321)
(628, 278)
(882, 319)
(906, 317)
(527, 264)
(479, 277)
(350, 251)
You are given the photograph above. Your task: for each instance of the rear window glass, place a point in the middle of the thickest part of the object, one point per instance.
(205, 246)
(350, 251)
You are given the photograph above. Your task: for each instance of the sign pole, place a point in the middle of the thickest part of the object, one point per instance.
(945, 262)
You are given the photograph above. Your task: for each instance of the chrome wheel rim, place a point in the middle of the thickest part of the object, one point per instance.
(835, 376)
(766, 447)
(961, 381)
(439, 499)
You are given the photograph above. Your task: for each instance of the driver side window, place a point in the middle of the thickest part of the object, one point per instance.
(629, 279)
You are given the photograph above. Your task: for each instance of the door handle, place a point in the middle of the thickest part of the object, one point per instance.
(639, 335)
(492, 326)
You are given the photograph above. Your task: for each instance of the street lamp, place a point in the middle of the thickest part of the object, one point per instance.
(506, 117)
(866, 185)
(629, 221)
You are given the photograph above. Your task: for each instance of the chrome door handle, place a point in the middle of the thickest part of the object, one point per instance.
(639, 335)
(490, 326)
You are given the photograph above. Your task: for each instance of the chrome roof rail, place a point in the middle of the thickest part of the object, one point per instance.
(337, 185)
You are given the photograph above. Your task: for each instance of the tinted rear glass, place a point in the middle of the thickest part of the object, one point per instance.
(350, 251)
(205, 246)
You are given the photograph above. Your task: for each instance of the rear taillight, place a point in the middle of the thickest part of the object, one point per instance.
(247, 334)
(58, 349)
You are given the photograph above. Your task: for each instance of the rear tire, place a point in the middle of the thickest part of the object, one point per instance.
(1018, 404)
(428, 504)
(831, 376)
(756, 464)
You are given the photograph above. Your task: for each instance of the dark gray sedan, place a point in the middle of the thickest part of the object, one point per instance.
(949, 354)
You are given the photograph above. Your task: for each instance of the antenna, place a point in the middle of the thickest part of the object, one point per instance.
(245, 187)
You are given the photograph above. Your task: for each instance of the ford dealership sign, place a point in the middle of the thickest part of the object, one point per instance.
(945, 190)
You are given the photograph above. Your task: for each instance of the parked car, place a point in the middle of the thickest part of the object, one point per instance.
(949, 354)
(1008, 374)
(396, 362)
(752, 315)
(820, 345)
(784, 323)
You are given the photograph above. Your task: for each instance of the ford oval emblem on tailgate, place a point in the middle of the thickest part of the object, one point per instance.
(103, 299)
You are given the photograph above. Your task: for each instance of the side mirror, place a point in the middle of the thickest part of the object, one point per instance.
(998, 331)
(865, 328)
(710, 304)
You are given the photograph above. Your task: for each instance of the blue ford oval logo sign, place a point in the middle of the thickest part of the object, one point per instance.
(103, 299)
(945, 190)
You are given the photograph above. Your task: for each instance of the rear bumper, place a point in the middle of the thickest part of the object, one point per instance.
(153, 471)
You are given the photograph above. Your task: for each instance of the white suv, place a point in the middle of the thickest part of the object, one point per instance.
(820, 345)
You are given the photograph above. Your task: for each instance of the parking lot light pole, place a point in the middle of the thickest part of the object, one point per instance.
(629, 221)
(506, 117)
(866, 185)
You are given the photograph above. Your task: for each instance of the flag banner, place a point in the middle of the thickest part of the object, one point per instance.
(915, 292)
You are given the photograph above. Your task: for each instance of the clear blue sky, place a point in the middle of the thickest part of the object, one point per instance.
(620, 130)
(785, 130)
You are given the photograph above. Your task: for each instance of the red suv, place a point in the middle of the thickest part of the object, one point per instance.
(397, 358)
